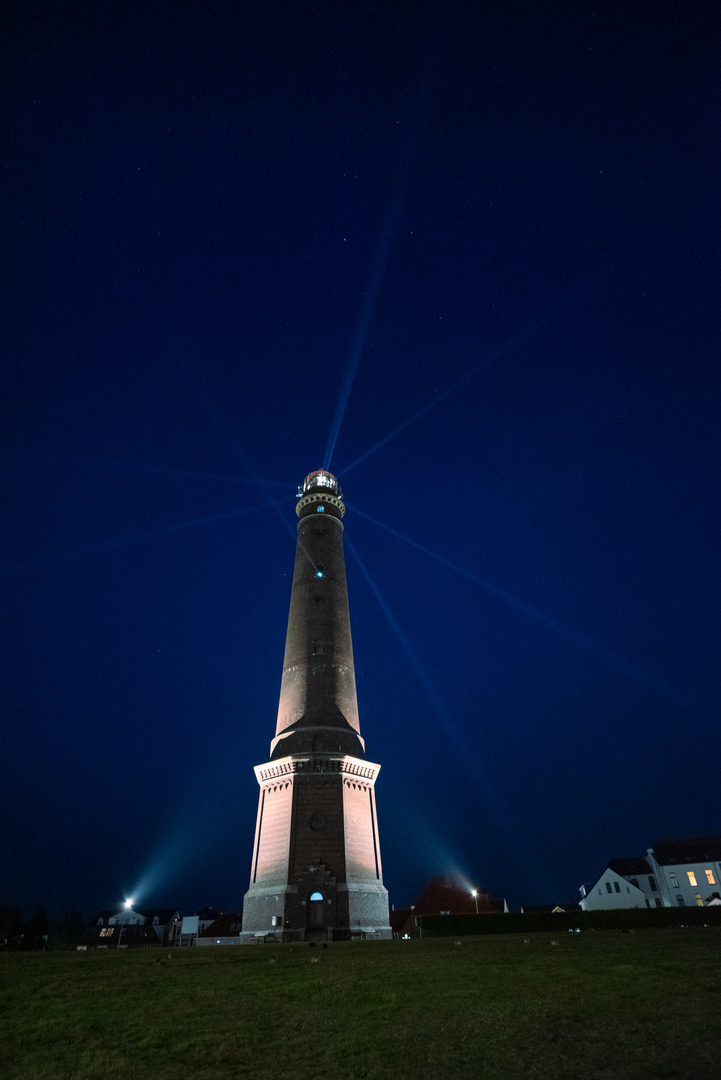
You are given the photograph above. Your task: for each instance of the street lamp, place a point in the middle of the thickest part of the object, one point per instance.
(474, 894)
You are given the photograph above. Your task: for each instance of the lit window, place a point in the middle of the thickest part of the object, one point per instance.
(699, 901)
(710, 878)
(321, 509)
(691, 877)
(107, 931)
(317, 896)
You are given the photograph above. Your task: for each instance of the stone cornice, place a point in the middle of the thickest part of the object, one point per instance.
(313, 764)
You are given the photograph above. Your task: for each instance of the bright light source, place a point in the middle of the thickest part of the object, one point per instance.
(129, 903)
(474, 892)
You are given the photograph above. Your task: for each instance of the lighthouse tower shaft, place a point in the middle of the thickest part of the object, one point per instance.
(316, 867)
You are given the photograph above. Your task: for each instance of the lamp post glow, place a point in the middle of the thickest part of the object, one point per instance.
(474, 894)
(129, 902)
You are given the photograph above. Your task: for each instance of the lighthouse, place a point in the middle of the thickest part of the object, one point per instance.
(316, 865)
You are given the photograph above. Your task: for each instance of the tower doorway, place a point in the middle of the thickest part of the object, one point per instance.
(316, 912)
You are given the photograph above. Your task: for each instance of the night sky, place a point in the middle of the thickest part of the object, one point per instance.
(465, 256)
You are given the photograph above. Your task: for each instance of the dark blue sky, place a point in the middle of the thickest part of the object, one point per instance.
(493, 232)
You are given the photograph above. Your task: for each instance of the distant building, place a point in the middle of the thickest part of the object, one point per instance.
(189, 930)
(689, 870)
(442, 896)
(611, 891)
(129, 927)
(224, 930)
(673, 873)
(639, 872)
(193, 926)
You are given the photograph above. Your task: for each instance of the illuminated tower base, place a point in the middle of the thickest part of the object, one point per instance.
(316, 860)
(316, 867)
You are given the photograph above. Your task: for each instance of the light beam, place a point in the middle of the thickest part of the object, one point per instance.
(437, 700)
(513, 342)
(120, 541)
(380, 262)
(498, 806)
(624, 666)
(150, 470)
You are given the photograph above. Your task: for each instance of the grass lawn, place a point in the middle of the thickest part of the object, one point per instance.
(595, 1005)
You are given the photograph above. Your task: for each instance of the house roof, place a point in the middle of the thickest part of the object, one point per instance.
(693, 849)
(164, 915)
(634, 865)
(229, 924)
(113, 936)
(105, 914)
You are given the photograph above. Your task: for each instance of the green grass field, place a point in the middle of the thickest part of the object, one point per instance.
(595, 1005)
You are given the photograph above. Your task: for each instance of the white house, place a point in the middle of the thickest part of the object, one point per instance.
(610, 892)
(673, 873)
(689, 871)
(639, 872)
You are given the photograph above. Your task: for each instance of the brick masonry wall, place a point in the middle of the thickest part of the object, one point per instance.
(318, 830)
(271, 863)
(361, 844)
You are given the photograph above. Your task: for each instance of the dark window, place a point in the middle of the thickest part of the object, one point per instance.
(608, 886)
(680, 901)
(634, 881)
(616, 886)
(657, 901)
(652, 883)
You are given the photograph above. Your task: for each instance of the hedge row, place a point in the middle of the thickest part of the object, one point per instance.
(622, 919)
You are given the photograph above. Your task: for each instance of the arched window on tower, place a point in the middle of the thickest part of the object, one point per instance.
(317, 896)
